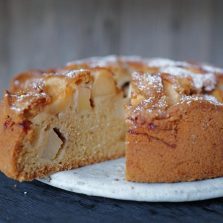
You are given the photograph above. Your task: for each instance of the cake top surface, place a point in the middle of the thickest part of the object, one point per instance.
(156, 94)
(156, 82)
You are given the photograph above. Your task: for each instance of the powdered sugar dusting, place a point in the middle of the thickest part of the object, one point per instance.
(148, 82)
(206, 81)
(176, 71)
(162, 103)
(209, 98)
(162, 62)
(211, 69)
(96, 61)
(72, 73)
(155, 80)
(107, 60)
(103, 61)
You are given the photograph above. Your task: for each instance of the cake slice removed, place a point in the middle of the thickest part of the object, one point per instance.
(54, 120)
(58, 120)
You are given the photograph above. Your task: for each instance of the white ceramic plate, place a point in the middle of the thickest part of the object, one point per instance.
(107, 180)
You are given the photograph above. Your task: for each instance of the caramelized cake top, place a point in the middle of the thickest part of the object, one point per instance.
(157, 84)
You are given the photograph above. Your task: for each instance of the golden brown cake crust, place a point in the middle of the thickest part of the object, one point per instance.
(175, 122)
(190, 147)
(14, 128)
(158, 141)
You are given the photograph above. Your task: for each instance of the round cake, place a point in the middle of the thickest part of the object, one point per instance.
(165, 115)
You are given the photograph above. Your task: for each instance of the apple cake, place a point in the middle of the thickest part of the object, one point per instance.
(58, 119)
(168, 120)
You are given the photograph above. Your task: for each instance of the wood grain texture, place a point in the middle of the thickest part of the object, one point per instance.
(37, 202)
(146, 28)
(192, 30)
(39, 34)
(216, 49)
(4, 45)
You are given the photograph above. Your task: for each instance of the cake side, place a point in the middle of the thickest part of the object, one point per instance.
(184, 149)
(175, 124)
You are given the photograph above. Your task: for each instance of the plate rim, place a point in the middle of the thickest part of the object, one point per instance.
(153, 192)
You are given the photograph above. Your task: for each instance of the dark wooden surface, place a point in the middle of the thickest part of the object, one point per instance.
(37, 202)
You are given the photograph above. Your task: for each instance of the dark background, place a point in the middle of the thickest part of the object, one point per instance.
(48, 33)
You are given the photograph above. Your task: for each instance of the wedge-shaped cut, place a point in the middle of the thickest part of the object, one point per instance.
(77, 119)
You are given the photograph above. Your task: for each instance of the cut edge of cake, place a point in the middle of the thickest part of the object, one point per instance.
(59, 119)
(55, 121)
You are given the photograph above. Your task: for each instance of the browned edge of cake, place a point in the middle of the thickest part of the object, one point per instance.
(175, 124)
